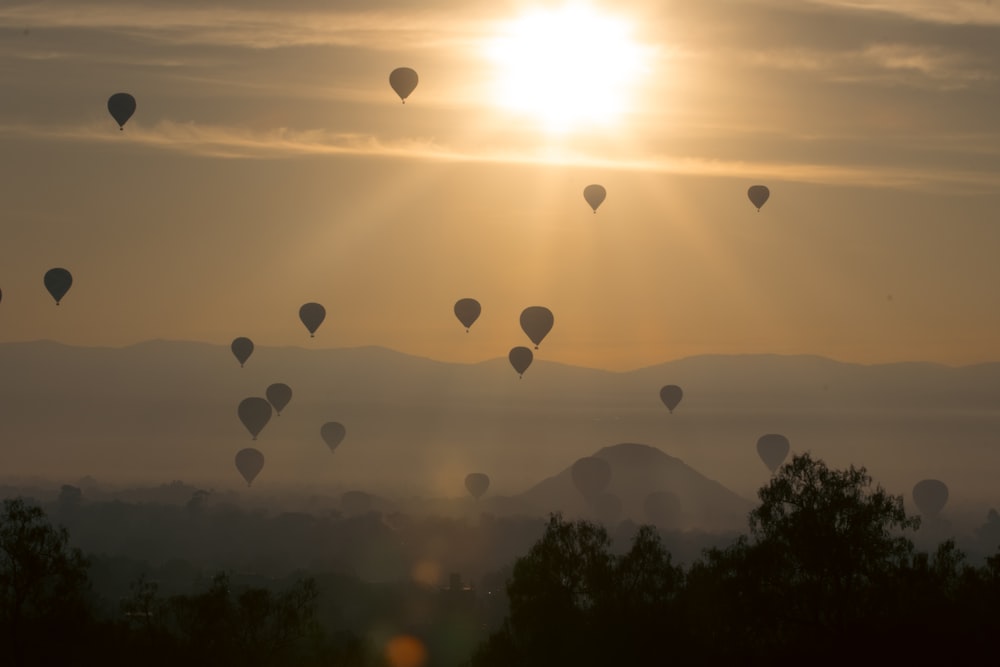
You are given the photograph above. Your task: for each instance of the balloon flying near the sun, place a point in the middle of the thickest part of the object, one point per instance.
(403, 80)
(242, 348)
(57, 282)
(312, 315)
(758, 195)
(121, 106)
(594, 194)
(476, 483)
(467, 311)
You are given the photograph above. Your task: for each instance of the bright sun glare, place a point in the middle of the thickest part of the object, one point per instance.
(568, 68)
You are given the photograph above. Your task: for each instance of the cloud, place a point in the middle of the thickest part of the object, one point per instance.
(954, 12)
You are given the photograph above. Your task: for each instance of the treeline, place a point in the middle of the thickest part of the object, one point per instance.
(828, 575)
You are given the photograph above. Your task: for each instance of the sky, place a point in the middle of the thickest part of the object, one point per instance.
(269, 163)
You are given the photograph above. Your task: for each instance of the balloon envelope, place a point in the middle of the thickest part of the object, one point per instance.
(671, 395)
(594, 194)
(536, 321)
(312, 315)
(278, 395)
(242, 349)
(121, 106)
(254, 412)
(520, 359)
(57, 282)
(663, 508)
(758, 194)
(477, 483)
(403, 80)
(467, 311)
(333, 433)
(772, 448)
(591, 475)
(930, 495)
(249, 462)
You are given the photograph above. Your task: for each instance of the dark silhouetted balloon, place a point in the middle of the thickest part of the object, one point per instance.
(591, 475)
(356, 502)
(278, 395)
(671, 395)
(594, 194)
(312, 315)
(249, 462)
(467, 311)
(242, 348)
(477, 483)
(536, 321)
(930, 495)
(121, 106)
(758, 194)
(772, 448)
(58, 282)
(403, 80)
(333, 433)
(520, 359)
(254, 412)
(662, 508)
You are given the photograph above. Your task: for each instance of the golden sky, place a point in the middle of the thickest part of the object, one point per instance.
(269, 164)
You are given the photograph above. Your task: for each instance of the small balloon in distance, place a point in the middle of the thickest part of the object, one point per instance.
(594, 194)
(242, 348)
(312, 315)
(278, 395)
(57, 282)
(520, 358)
(333, 434)
(476, 483)
(121, 106)
(467, 311)
(930, 495)
(758, 195)
(536, 322)
(254, 412)
(671, 396)
(249, 462)
(403, 80)
(772, 449)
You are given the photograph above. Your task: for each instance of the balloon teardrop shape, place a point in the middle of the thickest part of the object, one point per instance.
(537, 321)
(594, 194)
(254, 412)
(477, 483)
(758, 195)
(520, 358)
(278, 395)
(403, 80)
(242, 348)
(121, 106)
(671, 396)
(333, 434)
(772, 449)
(249, 462)
(467, 311)
(930, 495)
(57, 282)
(312, 315)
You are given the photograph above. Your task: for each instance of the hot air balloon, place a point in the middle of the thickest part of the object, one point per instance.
(772, 448)
(591, 475)
(536, 321)
(594, 194)
(758, 194)
(671, 395)
(332, 433)
(121, 106)
(278, 395)
(356, 502)
(662, 508)
(312, 315)
(930, 495)
(520, 359)
(477, 483)
(467, 311)
(242, 348)
(249, 462)
(403, 80)
(57, 282)
(254, 412)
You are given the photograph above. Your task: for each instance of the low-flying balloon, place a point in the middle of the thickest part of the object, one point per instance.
(772, 448)
(278, 395)
(662, 508)
(930, 495)
(312, 315)
(57, 282)
(121, 106)
(254, 412)
(594, 194)
(671, 395)
(403, 80)
(520, 358)
(591, 475)
(249, 462)
(477, 483)
(333, 433)
(467, 311)
(242, 348)
(536, 321)
(758, 194)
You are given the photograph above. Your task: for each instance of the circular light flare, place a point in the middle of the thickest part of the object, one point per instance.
(569, 68)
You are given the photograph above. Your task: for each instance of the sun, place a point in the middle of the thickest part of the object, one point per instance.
(567, 68)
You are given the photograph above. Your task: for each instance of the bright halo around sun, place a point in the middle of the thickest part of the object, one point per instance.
(568, 68)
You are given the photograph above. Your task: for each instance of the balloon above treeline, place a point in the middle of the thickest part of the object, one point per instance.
(477, 483)
(467, 311)
(312, 315)
(772, 449)
(536, 321)
(57, 282)
(333, 434)
(758, 195)
(520, 358)
(403, 80)
(242, 348)
(671, 396)
(591, 475)
(278, 395)
(930, 495)
(594, 194)
(249, 462)
(254, 412)
(121, 106)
